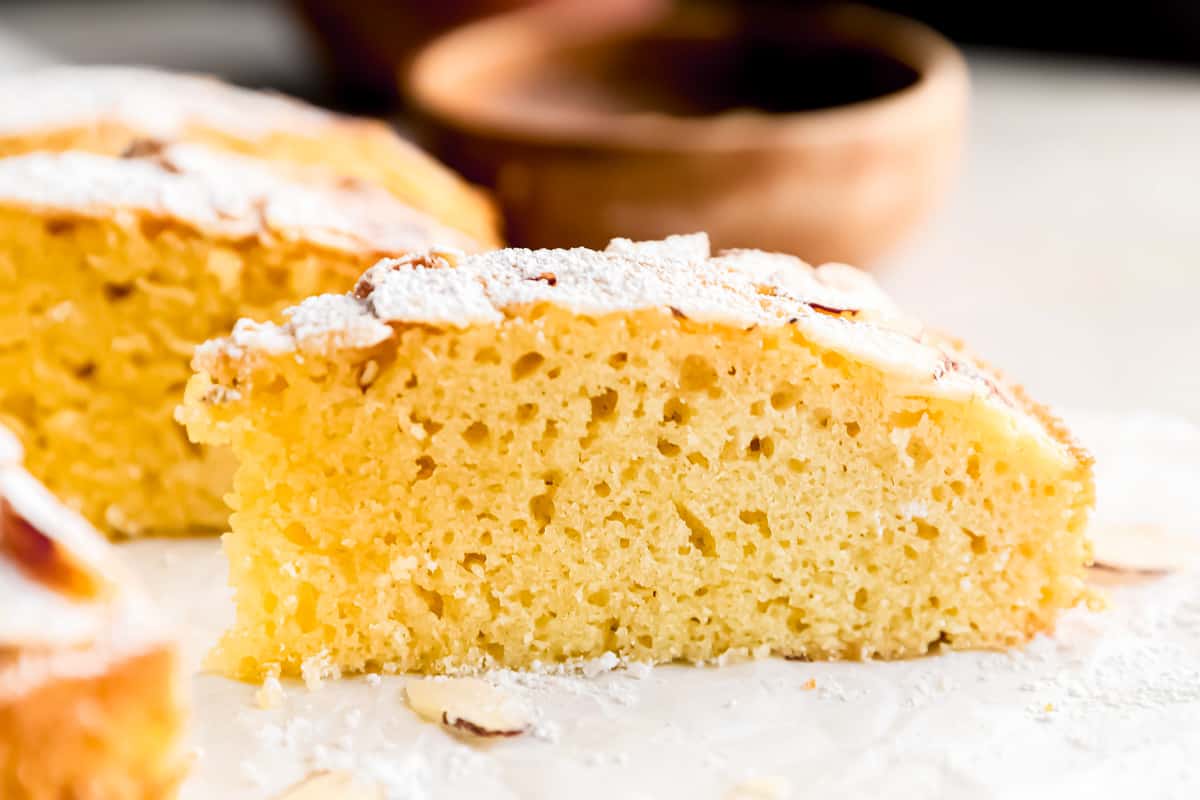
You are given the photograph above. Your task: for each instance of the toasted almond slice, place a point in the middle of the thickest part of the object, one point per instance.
(336, 785)
(1146, 550)
(45, 559)
(468, 704)
(1104, 575)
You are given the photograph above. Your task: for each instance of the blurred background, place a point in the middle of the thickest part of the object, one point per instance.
(1067, 248)
(341, 52)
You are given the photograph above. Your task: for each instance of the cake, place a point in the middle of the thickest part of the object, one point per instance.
(650, 451)
(91, 692)
(102, 109)
(112, 269)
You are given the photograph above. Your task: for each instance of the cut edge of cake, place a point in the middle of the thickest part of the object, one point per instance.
(734, 294)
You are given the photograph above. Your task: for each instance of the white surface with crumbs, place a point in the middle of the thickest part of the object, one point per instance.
(1109, 707)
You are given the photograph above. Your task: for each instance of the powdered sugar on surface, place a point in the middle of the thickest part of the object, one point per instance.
(1107, 708)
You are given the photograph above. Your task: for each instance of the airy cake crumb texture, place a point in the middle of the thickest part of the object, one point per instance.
(545, 456)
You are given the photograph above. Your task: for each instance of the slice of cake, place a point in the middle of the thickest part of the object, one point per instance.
(548, 455)
(112, 269)
(101, 109)
(91, 693)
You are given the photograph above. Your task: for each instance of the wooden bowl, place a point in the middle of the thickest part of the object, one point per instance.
(827, 132)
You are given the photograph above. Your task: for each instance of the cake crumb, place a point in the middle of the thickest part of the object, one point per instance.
(270, 694)
(597, 666)
(809, 684)
(315, 670)
(639, 670)
(402, 567)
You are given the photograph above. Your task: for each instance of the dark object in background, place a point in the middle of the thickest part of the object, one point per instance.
(690, 71)
(825, 132)
(367, 40)
(1160, 30)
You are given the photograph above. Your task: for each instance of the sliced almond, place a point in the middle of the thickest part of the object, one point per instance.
(337, 785)
(468, 704)
(44, 559)
(145, 147)
(1144, 550)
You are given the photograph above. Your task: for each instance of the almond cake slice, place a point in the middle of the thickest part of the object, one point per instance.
(539, 456)
(113, 269)
(91, 692)
(102, 109)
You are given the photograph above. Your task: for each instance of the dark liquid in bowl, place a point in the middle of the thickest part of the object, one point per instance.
(697, 76)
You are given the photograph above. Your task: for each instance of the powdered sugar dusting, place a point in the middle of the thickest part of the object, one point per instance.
(335, 317)
(834, 305)
(435, 297)
(605, 679)
(227, 195)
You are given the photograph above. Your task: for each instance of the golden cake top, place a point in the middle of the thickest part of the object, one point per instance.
(68, 606)
(224, 194)
(834, 305)
(153, 102)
